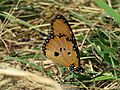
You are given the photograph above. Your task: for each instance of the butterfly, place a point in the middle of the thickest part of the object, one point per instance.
(60, 45)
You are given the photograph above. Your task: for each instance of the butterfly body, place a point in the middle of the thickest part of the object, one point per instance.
(60, 46)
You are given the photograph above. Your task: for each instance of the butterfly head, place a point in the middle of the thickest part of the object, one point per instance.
(78, 69)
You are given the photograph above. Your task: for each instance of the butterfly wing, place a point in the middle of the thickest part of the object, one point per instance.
(59, 25)
(60, 50)
(61, 46)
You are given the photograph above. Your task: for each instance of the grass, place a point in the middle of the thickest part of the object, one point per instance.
(24, 24)
(109, 10)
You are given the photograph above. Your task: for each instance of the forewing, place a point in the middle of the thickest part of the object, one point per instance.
(60, 25)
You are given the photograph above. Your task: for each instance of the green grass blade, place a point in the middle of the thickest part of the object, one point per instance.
(109, 10)
(100, 78)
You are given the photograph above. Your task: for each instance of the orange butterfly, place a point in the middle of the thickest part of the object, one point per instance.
(60, 46)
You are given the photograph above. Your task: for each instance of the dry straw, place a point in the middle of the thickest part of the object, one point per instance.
(46, 83)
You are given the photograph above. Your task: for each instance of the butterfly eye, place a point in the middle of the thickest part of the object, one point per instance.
(56, 54)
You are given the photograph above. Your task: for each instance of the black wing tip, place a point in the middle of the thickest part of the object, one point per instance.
(62, 18)
(58, 16)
